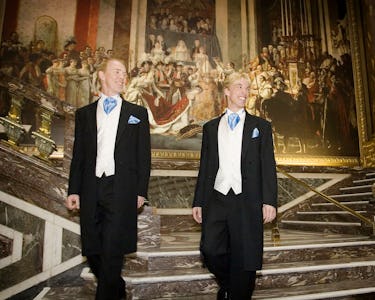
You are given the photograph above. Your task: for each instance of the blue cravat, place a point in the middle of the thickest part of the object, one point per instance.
(233, 120)
(109, 104)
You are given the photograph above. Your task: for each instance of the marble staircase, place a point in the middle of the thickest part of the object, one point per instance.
(305, 265)
(321, 215)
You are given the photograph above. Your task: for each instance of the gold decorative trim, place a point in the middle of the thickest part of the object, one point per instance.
(173, 157)
(175, 154)
(366, 143)
(329, 161)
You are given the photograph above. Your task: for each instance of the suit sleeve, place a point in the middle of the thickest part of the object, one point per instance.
(76, 169)
(203, 171)
(144, 155)
(268, 165)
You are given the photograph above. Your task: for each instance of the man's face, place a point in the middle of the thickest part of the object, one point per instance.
(112, 78)
(237, 94)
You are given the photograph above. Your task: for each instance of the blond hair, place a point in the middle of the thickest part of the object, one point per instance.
(103, 66)
(232, 77)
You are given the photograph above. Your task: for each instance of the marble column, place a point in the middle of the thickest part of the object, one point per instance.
(252, 27)
(137, 31)
(222, 27)
(68, 141)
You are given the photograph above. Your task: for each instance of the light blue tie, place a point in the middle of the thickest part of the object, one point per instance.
(109, 104)
(233, 120)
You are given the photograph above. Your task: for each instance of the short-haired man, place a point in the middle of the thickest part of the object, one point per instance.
(109, 176)
(236, 192)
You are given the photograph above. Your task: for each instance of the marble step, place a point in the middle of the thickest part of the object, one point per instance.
(353, 195)
(326, 226)
(163, 260)
(371, 174)
(345, 290)
(177, 260)
(315, 272)
(190, 282)
(356, 188)
(329, 216)
(367, 180)
(355, 205)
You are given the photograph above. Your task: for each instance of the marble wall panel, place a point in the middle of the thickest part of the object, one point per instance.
(5, 246)
(178, 191)
(32, 248)
(171, 191)
(71, 245)
(289, 190)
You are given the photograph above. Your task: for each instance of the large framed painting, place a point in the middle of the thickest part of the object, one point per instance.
(301, 56)
(298, 57)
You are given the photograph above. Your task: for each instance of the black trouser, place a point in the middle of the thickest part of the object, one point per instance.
(106, 266)
(222, 246)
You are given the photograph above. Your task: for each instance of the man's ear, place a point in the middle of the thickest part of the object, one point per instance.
(226, 92)
(101, 75)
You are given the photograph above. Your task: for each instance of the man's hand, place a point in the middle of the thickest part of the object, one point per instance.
(72, 202)
(197, 214)
(269, 213)
(141, 201)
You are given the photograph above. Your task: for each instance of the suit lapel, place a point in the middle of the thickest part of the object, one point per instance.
(250, 124)
(122, 122)
(214, 130)
(92, 120)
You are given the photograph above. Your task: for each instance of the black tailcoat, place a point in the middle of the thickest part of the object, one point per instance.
(132, 171)
(259, 183)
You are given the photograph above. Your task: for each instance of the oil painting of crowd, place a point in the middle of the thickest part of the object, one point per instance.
(306, 93)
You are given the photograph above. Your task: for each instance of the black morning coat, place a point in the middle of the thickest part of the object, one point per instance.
(132, 170)
(259, 183)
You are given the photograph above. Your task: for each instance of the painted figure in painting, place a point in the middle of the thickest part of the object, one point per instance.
(72, 79)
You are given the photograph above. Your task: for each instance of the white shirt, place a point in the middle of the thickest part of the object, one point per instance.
(230, 146)
(106, 137)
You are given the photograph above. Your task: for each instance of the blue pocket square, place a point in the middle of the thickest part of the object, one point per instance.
(133, 120)
(255, 133)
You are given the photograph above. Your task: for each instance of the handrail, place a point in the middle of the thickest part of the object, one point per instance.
(330, 199)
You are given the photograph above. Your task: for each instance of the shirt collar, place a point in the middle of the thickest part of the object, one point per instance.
(103, 96)
(241, 112)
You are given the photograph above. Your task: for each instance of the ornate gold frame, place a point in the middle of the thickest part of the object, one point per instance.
(183, 159)
(366, 141)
